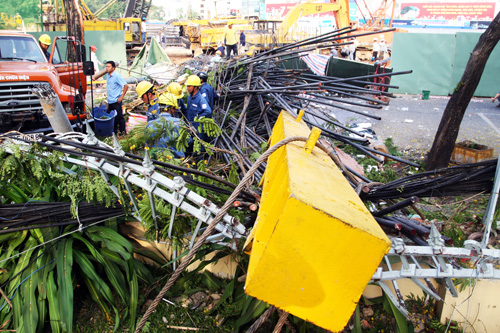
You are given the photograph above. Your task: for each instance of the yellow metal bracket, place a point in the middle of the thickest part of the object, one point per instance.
(315, 245)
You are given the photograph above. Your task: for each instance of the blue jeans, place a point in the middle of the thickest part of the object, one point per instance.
(144, 40)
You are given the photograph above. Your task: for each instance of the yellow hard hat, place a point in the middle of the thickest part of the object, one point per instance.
(230, 22)
(168, 99)
(175, 89)
(193, 80)
(143, 87)
(45, 39)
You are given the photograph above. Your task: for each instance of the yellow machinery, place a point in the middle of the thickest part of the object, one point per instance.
(130, 25)
(210, 37)
(54, 21)
(283, 34)
(8, 22)
(315, 246)
(376, 23)
(205, 34)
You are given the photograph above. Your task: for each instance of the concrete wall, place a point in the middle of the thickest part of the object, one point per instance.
(438, 62)
(478, 305)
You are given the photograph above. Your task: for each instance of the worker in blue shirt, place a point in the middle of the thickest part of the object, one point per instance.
(176, 89)
(221, 49)
(116, 88)
(167, 124)
(146, 92)
(197, 105)
(206, 90)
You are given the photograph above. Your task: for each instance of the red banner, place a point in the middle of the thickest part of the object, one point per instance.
(448, 10)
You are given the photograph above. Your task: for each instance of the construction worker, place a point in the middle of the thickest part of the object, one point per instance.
(167, 108)
(116, 88)
(221, 49)
(242, 42)
(144, 30)
(45, 42)
(176, 89)
(206, 90)
(230, 40)
(197, 105)
(376, 49)
(94, 59)
(147, 92)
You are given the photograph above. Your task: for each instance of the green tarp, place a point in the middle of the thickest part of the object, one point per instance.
(429, 56)
(438, 62)
(151, 55)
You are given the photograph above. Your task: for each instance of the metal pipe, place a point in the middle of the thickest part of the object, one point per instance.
(52, 108)
(402, 204)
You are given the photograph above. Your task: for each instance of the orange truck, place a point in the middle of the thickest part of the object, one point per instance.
(23, 65)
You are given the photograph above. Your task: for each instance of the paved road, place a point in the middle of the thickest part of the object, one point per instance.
(412, 122)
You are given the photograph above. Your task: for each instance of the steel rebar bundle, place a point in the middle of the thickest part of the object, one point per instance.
(34, 215)
(254, 90)
(457, 180)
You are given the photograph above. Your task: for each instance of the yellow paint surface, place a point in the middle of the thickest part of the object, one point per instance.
(315, 244)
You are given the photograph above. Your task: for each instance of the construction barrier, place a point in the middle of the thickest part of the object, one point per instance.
(438, 62)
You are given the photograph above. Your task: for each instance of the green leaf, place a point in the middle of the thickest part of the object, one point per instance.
(29, 302)
(14, 284)
(357, 321)
(97, 287)
(114, 275)
(134, 293)
(255, 309)
(20, 193)
(54, 307)
(64, 280)
(94, 293)
(402, 326)
(88, 270)
(112, 235)
(12, 245)
(42, 261)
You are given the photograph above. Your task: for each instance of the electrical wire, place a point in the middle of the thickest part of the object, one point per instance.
(58, 237)
(24, 206)
(15, 290)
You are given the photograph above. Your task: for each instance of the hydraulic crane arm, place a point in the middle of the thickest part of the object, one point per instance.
(86, 12)
(339, 8)
(137, 8)
(104, 8)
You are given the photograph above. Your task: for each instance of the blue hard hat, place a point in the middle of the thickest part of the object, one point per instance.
(144, 19)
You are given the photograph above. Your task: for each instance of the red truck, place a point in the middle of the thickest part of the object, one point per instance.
(23, 65)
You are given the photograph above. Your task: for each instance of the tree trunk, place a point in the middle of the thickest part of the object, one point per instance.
(74, 19)
(447, 132)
